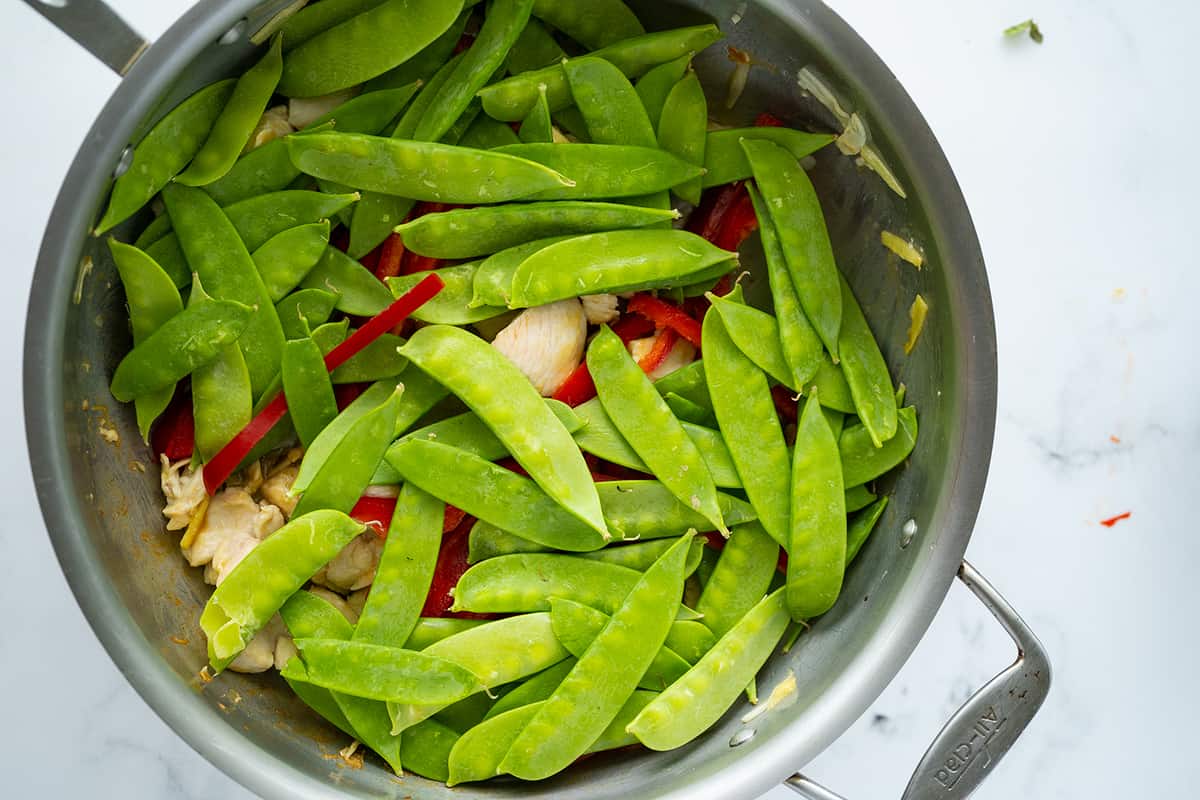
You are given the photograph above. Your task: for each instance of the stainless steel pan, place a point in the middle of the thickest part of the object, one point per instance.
(102, 508)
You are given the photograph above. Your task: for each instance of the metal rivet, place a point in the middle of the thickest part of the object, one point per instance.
(123, 162)
(742, 736)
(234, 34)
(907, 533)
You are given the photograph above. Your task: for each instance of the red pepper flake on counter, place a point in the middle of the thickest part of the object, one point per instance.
(1111, 521)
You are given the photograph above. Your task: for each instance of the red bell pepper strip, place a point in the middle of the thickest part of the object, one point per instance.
(662, 348)
(738, 222)
(706, 220)
(768, 120)
(665, 315)
(174, 435)
(452, 519)
(786, 403)
(340, 238)
(391, 254)
(578, 388)
(451, 564)
(414, 263)
(632, 327)
(1111, 521)
(222, 465)
(347, 393)
(375, 512)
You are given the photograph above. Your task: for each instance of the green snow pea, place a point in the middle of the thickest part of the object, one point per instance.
(756, 335)
(832, 387)
(501, 27)
(319, 17)
(421, 394)
(860, 527)
(471, 232)
(817, 545)
(502, 396)
(862, 461)
(308, 390)
(681, 130)
(675, 717)
(617, 261)
(190, 339)
(288, 256)
(425, 749)
(220, 259)
(534, 689)
(654, 87)
(376, 672)
(486, 133)
(468, 432)
(406, 126)
(510, 99)
(534, 49)
(741, 578)
(265, 169)
(463, 715)
(577, 626)
(365, 45)
(491, 493)
(159, 227)
(492, 285)
(152, 299)
(304, 310)
(571, 122)
(643, 418)
(641, 555)
(376, 361)
(369, 112)
(340, 481)
(726, 161)
(232, 129)
(610, 106)
(426, 63)
(688, 382)
(373, 219)
(221, 396)
(463, 124)
(270, 574)
(309, 616)
(526, 582)
(359, 292)
(601, 171)
(858, 498)
(428, 171)
(164, 151)
(592, 23)
(477, 754)
(537, 127)
(866, 372)
(452, 305)
(750, 425)
(687, 411)
(799, 341)
(604, 679)
(795, 210)
(690, 638)
(433, 629)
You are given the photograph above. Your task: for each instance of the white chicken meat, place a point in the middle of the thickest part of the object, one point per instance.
(233, 526)
(600, 308)
(546, 343)
(682, 354)
(277, 490)
(272, 125)
(354, 567)
(260, 652)
(303, 111)
(183, 489)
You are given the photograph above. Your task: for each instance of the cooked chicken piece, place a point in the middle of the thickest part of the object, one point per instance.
(682, 354)
(233, 526)
(285, 651)
(250, 479)
(273, 124)
(302, 111)
(183, 488)
(546, 343)
(337, 601)
(259, 655)
(354, 567)
(600, 308)
(358, 601)
(276, 490)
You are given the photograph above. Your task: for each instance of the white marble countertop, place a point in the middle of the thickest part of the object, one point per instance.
(1076, 160)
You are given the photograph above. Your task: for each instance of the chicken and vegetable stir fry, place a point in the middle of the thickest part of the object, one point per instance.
(442, 343)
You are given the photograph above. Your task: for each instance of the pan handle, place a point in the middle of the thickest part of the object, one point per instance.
(986, 727)
(97, 28)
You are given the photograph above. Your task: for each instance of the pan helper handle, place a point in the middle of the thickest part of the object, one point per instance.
(97, 28)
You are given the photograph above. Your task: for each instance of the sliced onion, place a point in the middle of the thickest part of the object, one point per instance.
(903, 248)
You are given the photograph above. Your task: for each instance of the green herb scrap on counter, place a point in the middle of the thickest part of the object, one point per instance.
(439, 341)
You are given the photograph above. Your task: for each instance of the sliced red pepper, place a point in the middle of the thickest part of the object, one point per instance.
(413, 263)
(578, 388)
(452, 519)
(222, 465)
(663, 345)
(371, 259)
(451, 564)
(391, 254)
(1111, 521)
(174, 435)
(716, 202)
(347, 393)
(633, 326)
(738, 222)
(665, 315)
(785, 403)
(714, 540)
(339, 237)
(768, 120)
(375, 512)
(464, 42)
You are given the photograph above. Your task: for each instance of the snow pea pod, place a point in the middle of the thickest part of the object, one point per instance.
(477, 754)
(793, 207)
(534, 689)
(535, 48)
(862, 461)
(798, 338)
(159, 227)
(641, 555)
(425, 749)
(376, 361)
(309, 616)
(491, 493)
(690, 638)
(526, 582)
(221, 396)
(152, 299)
(486, 133)
(510, 100)
(726, 162)
(577, 626)
(369, 112)
(501, 27)
(858, 498)
(654, 87)
(686, 382)
(340, 481)
(164, 151)
(218, 256)
(468, 432)
(373, 219)
(643, 418)
(866, 372)
(604, 679)
(452, 305)
(241, 113)
(592, 23)
(860, 527)
(270, 574)
(318, 17)
(537, 127)
(616, 261)
(288, 256)
(831, 384)
(426, 63)
(421, 394)
(502, 396)
(675, 717)
(433, 629)
(471, 232)
(613, 112)
(376, 672)
(602, 171)
(681, 130)
(756, 335)
(750, 426)
(492, 285)
(741, 578)
(687, 411)
(406, 127)
(817, 544)
(359, 292)
(190, 339)
(427, 171)
(308, 389)
(570, 121)
(365, 45)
